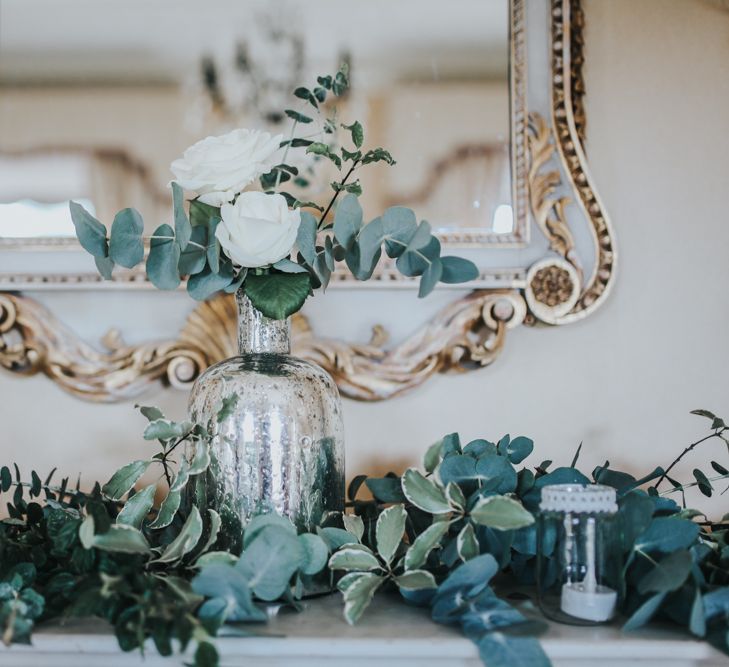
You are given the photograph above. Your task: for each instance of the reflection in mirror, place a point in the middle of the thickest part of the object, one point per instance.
(97, 111)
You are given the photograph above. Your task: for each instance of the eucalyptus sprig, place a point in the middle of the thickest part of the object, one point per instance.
(190, 248)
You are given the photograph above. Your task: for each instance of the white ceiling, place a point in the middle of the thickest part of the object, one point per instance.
(162, 40)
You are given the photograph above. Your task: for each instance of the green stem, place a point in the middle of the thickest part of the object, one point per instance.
(285, 155)
(715, 434)
(690, 484)
(336, 194)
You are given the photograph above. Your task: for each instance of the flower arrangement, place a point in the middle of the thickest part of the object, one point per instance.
(439, 537)
(276, 247)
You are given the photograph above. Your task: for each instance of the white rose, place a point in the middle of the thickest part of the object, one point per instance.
(218, 168)
(257, 230)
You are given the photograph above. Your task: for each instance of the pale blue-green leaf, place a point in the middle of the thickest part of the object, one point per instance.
(501, 513)
(126, 246)
(455, 496)
(213, 247)
(415, 580)
(261, 521)
(496, 473)
(429, 539)
(306, 238)
(668, 574)
(287, 266)
(336, 537)
(389, 531)
(150, 412)
(163, 258)
(354, 560)
(500, 650)
(347, 221)
(697, 619)
(90, 232)
(163, 429)
(399, 225)
(167, 510)
(218, 581)
(470, 578)
(519, 448)
(104, 266)
(414, 262)
(201, 459)
(124, 479)
(466, 543)
(137, 507)
(424, 493)
(183, 229)
(215, 523)
(666, 534)
(353, 524)
(193, 255)
(645, 612)
(430, 278)
(216, 558)
(122, 539)
(315, 553)
(203, 285)
(185, 541)
(270, 561)
(358, 595)
(458, 270)
(369, 241)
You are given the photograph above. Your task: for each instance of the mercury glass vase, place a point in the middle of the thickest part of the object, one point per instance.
(280, 447)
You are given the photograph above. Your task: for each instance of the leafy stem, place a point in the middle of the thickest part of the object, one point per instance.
(340, 187)
(718, 433)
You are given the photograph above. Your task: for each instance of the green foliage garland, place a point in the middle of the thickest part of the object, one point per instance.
(439, 538)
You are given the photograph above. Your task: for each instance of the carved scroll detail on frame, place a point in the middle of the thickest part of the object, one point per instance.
(569, 144)
(468, 333)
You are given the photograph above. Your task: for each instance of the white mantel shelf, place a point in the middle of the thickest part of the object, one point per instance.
(389, 635)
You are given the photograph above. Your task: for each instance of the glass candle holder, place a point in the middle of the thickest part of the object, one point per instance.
(579, 562)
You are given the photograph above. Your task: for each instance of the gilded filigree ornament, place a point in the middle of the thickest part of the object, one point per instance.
(468, 333)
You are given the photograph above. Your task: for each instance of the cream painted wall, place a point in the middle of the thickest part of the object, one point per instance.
(622, 381)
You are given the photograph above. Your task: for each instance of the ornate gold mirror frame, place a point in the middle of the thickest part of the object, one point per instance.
(561, 225)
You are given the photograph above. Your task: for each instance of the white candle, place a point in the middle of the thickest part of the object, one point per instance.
(587, 599)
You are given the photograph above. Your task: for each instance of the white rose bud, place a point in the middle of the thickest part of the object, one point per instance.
(257, 230)
(218, 168)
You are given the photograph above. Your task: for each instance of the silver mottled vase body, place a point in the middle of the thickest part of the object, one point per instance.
(281, 445)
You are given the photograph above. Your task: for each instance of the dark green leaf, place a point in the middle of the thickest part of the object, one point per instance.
(357, 133)
(278, 295)
(126, 246)
(703, 482)
(298, 117)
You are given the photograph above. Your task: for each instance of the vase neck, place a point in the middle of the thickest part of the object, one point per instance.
(258, 334)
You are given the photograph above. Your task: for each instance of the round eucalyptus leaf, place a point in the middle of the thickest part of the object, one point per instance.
(164, 256)
(126, 246)
(90, 232)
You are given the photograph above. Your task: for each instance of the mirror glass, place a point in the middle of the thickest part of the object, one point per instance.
(96, 103)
